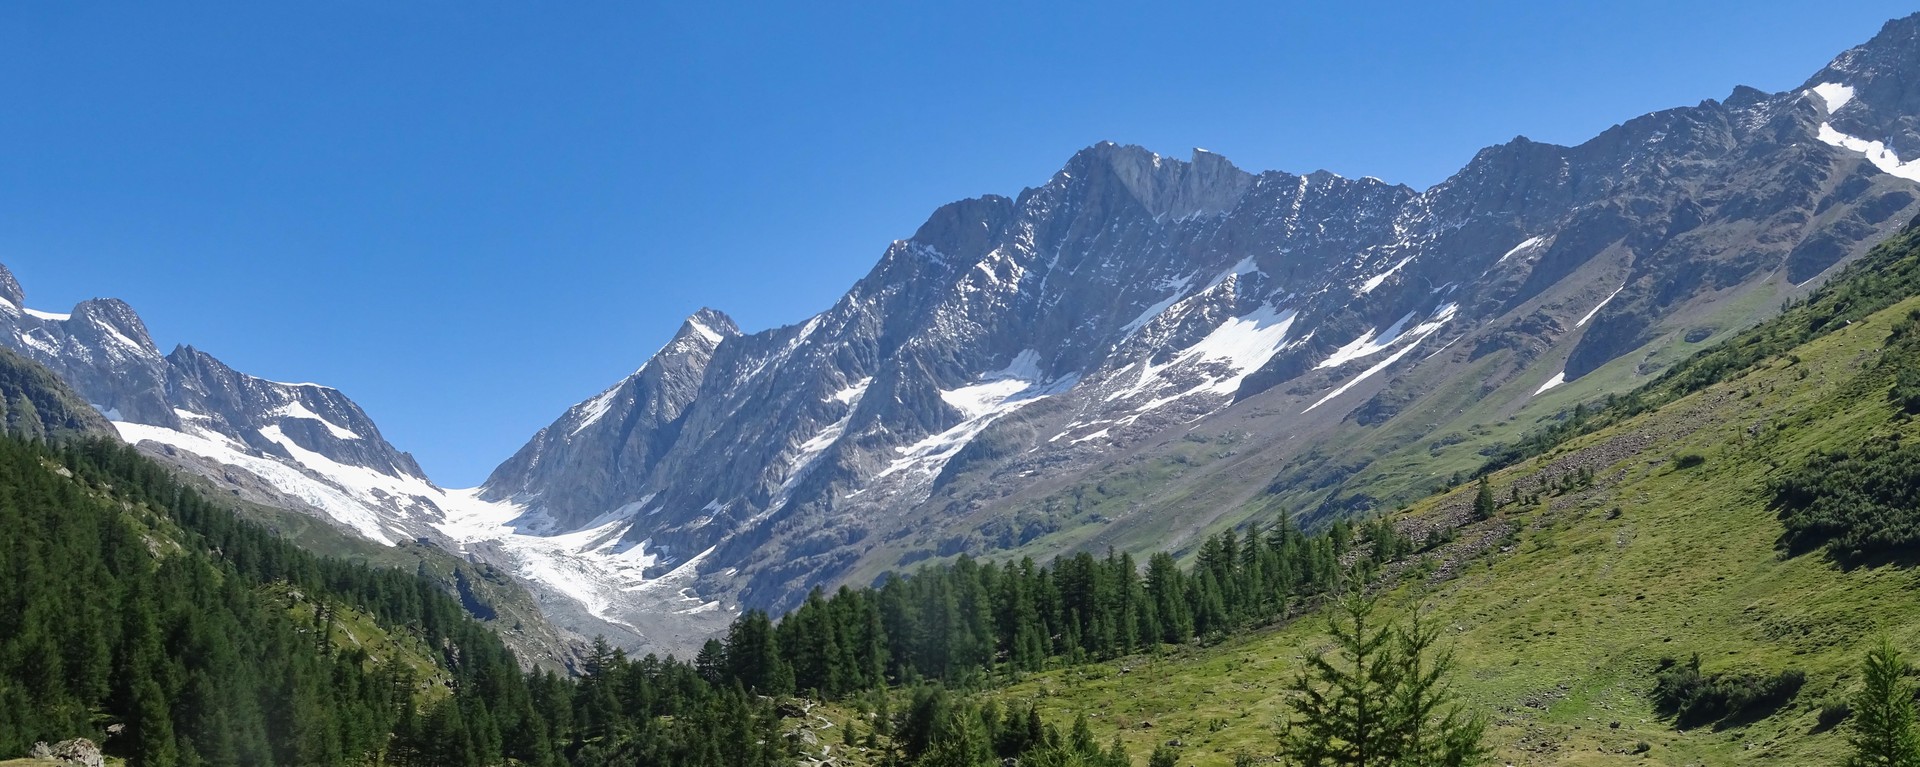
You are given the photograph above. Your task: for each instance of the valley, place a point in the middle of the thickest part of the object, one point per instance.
(1587, 454)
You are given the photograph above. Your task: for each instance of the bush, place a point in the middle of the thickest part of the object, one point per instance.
(1693, 698)
(1688, 460)
(1832, 714)
(1860, 503)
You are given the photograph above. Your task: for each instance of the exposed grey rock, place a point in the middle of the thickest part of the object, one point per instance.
(78, 752)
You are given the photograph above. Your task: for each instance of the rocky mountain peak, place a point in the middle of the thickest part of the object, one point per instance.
(1892, 52)
(10, 288)
(112, 321)
(711, 325)
(1871, 94)
(1207, 184)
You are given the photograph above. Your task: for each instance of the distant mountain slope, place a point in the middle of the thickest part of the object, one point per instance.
(310, 449)
(1143, 348)
(38, 405)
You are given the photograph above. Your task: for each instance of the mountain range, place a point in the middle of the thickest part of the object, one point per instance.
(1138, 351)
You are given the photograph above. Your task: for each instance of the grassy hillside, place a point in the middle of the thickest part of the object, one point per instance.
(1562, 608)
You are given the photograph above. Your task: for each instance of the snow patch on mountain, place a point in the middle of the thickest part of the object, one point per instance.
(590, 565)
(1376, 280)
(1524, 246)
(1413, 337)
(591, 411)
(48, 316)
(1177, 293)
(1876, 152)
(1557, 379)
(852, 394)
(296, 409)
(819, 443)
(1243, 343)
(1368, 344)
(1596, 309)
(999, 393)
(370, 485)
(1835, 95)
(119, 337)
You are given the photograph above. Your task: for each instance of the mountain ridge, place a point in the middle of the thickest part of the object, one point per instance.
(1676, 205)
(1136, 351)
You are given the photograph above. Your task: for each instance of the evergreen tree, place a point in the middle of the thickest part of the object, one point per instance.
(1381, 701)
(1430, 728)
(1483, 503)
(1883, 713)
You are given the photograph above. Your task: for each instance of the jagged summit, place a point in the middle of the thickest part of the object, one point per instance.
(1871, 96)
(710, 323)
(10, 289)
(1207, 184)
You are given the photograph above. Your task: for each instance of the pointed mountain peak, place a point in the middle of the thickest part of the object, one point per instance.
(1868, 92)
(118, 322)
(10, 288)
(710, 324)
(1744, 96)
(187, 356)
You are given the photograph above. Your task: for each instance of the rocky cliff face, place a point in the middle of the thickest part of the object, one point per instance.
(1014, 349)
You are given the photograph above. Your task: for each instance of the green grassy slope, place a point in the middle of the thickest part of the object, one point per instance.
(1560, 611)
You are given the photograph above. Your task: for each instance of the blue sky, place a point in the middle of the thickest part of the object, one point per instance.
(469, 216)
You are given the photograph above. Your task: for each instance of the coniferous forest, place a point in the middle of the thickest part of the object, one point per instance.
(134, 606)
(132, 603)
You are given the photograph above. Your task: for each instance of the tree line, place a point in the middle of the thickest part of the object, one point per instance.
(963, 623)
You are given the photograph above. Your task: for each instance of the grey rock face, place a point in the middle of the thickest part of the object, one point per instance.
(1013, 346)
(593, 456)
(1885, 105)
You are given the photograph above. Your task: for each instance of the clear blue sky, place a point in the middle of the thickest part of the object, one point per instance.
(470, 215)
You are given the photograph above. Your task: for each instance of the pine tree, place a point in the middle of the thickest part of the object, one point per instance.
(1483, 503)
(1431, 728)
(1381, 700)
(1342, 704)
(1883, 719)
(1081, 741)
